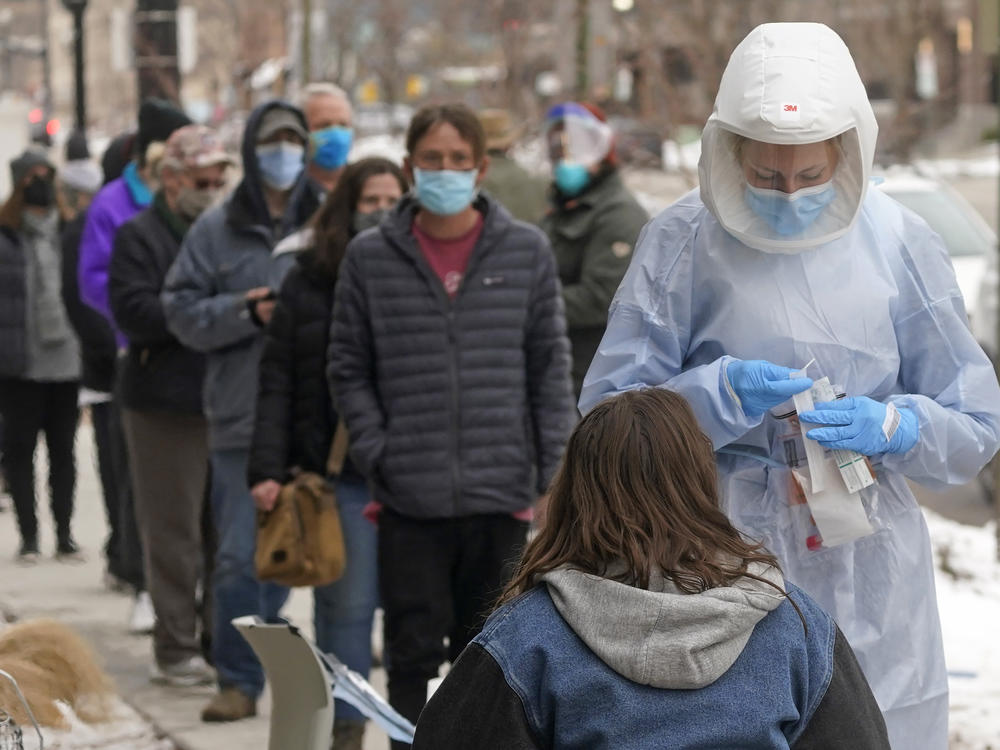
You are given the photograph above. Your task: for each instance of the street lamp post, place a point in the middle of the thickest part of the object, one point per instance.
(77, 7)
(156, 49)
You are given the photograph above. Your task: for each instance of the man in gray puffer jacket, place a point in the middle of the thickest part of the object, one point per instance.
(450, 363)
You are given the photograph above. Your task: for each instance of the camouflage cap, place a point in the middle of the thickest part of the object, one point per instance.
(194, 146)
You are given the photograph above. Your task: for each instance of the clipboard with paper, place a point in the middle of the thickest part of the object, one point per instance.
(304, 681)
(836, 477)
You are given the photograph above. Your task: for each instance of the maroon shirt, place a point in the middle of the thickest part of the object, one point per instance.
(449, 258)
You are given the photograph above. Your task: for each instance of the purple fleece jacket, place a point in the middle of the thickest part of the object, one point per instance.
(111, 207)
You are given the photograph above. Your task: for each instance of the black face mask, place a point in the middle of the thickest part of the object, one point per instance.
(39, 192)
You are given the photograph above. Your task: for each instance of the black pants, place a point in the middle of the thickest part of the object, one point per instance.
(28, 408)
(128, 556)
(438, 579)
(101, 415)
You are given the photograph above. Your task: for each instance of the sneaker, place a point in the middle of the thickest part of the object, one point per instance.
(229, 704)
(142, 619)
(28, 554)
(186, 673)
(67, 551)
(348, 734)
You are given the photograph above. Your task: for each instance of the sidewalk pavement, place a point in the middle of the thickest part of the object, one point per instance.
(73, 593)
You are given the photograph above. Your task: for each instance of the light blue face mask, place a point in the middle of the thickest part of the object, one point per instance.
(445, 192)
(571, 178)
(331, 146)
(280, 163)
(789, 214)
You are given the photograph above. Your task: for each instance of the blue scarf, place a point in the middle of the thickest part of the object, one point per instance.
(140, 192)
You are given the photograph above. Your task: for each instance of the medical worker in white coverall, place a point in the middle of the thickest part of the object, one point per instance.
(786, 256)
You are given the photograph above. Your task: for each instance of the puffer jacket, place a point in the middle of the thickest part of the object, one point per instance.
(98, 347)
(455, 407)
(226, 253)
(159, 373)
(295, 420)
(13, 305)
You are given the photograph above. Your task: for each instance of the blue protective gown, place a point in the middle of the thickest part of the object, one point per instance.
(880, 311)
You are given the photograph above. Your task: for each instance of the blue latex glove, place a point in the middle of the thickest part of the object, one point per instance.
(760, 385)
(860, 424)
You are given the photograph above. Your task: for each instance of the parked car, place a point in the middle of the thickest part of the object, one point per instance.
(971, 243)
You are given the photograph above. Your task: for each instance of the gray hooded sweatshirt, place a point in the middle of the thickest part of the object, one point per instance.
(661, 636)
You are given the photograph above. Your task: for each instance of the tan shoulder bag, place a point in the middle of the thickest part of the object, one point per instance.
(300, 541)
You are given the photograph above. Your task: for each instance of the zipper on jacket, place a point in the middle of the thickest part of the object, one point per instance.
(456, 474)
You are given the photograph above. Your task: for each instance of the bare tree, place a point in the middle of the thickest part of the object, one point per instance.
(344, 16)
(392, 19)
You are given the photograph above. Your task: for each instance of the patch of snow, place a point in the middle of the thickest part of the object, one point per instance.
(681, 157)
(968, 590)
(983, 162)
(126, 730)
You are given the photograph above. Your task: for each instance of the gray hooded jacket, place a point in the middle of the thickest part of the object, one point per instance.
(226, 253)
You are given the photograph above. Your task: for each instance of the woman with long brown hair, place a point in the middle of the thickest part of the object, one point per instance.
(295, 419)
(640, 617)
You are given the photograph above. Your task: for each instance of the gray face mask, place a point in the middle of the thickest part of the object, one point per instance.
(192, 202)
(361, 221)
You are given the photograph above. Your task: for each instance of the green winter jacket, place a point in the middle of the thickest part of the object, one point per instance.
(592, 237)
(520, 192)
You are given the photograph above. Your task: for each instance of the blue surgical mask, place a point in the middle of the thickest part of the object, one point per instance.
(571, 178)
(280, 163)
(789, 214)
(331, 146)
(445, 192)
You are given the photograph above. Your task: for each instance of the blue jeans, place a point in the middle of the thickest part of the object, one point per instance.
(236, 590)
(343, 611)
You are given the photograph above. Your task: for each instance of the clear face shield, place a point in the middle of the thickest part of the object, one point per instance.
(577, 142)
(787, 197)
(576, 136)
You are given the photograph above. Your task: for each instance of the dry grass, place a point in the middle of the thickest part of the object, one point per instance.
(52, 663)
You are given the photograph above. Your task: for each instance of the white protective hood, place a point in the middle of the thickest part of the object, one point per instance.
(788, 83)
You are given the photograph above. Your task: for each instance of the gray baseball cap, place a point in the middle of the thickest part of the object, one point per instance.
(279, 118)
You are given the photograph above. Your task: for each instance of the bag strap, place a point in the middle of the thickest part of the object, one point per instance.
(338, 450)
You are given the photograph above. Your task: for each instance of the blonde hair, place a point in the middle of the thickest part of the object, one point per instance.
(739, 142)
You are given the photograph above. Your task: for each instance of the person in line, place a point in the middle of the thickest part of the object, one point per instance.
(640, 617)
(295, 418)
(786, 256)
(329, 116)
(217, 301)
(593, 223)
(120, 200)
(40, 366)
(98, 348)
(117, 202)
(161, 392)
(450, 365)
(523, 194)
